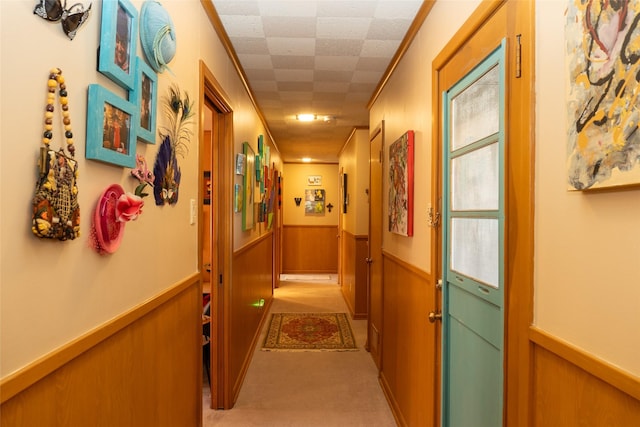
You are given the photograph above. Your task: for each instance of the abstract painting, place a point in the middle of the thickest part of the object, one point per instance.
(401, 185)
(603, 65)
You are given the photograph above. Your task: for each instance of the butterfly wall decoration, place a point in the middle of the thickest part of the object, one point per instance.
(71, 18)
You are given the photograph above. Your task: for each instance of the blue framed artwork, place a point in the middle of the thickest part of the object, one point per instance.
(111, 135)
(118, 40)
(145, 96)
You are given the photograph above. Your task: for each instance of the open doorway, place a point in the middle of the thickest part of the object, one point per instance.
(215, 231)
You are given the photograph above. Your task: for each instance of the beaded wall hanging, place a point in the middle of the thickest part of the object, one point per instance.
(56, 213)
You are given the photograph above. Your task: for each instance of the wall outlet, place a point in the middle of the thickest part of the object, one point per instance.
(194, 212)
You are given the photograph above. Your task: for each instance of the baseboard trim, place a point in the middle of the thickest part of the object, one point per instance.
(40, 368)
(599, 368)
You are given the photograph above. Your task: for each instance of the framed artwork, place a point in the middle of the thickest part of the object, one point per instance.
(111, 136)
(145, 96)
(237, 198)
(118, 40)
(314, 202)
(314, 180)
(401, 185)
(240, 161)
(345, 198)
(603, 141)
(249, 187)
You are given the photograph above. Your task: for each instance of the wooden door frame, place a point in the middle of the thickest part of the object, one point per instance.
(519, 170)
(211, 93)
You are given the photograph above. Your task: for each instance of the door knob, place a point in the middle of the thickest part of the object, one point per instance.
(433, 316)
(368, 260)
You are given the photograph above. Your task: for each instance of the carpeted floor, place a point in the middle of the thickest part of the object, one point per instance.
(307, 389)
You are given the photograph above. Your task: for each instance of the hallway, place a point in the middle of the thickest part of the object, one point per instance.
(310, 389)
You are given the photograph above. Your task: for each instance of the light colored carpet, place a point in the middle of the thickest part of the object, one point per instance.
(307, 389)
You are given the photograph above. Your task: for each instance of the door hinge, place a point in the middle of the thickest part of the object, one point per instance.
(433, 218)
(518, 57)
(220, 279)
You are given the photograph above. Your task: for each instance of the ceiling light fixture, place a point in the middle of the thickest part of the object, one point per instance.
(305, 117)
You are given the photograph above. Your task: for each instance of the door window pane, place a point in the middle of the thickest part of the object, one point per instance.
(475, 112)
(474, 249)
(474, 180)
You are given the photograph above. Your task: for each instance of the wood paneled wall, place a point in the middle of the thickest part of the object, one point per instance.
(354, 273)
(572, 388)
(252, 282)
(408, 340)
(142, 368)
(309, 249)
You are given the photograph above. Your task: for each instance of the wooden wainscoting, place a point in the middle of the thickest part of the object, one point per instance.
(354, 273)
(252, 282)
(408, 371)
(572, 388)
(309, 249)
(142, 368)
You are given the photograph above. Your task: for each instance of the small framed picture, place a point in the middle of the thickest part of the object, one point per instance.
(118, 37)
(111, 136)
(241, 159)
(145, 96)
(314, 180)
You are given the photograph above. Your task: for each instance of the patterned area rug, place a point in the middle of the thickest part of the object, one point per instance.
(309, 332)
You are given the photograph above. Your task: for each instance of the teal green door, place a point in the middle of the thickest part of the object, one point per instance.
(473, 240)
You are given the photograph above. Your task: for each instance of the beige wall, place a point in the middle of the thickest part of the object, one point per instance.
(295, 184)
(53, 292)
(405, 104)
(354, 161)
(587, 245)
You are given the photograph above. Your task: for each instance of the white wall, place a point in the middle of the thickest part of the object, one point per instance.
(53, 292)
(405, 104)
(587, 253)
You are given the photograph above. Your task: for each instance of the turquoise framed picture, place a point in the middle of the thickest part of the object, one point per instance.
(111, 129)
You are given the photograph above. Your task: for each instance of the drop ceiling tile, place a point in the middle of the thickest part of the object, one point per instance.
(364, 8)
(293, 75)
(295, 86)
(362, 87)
(336, 63)
(243, 26)
(287, 8)
(366, 63)
(268, 95)
(236, 7)
(366, 77)
(333, 47)
(342, 28)
(291, 46)
(379, 48)
(249, 45)
(394, 9)
(264, 86)
(255, 61)
(339, 87)
(388, 29)
(295, 62)
(276, 26)
(328, 97)
(332, 76)
(259, 74)
(296, 96)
